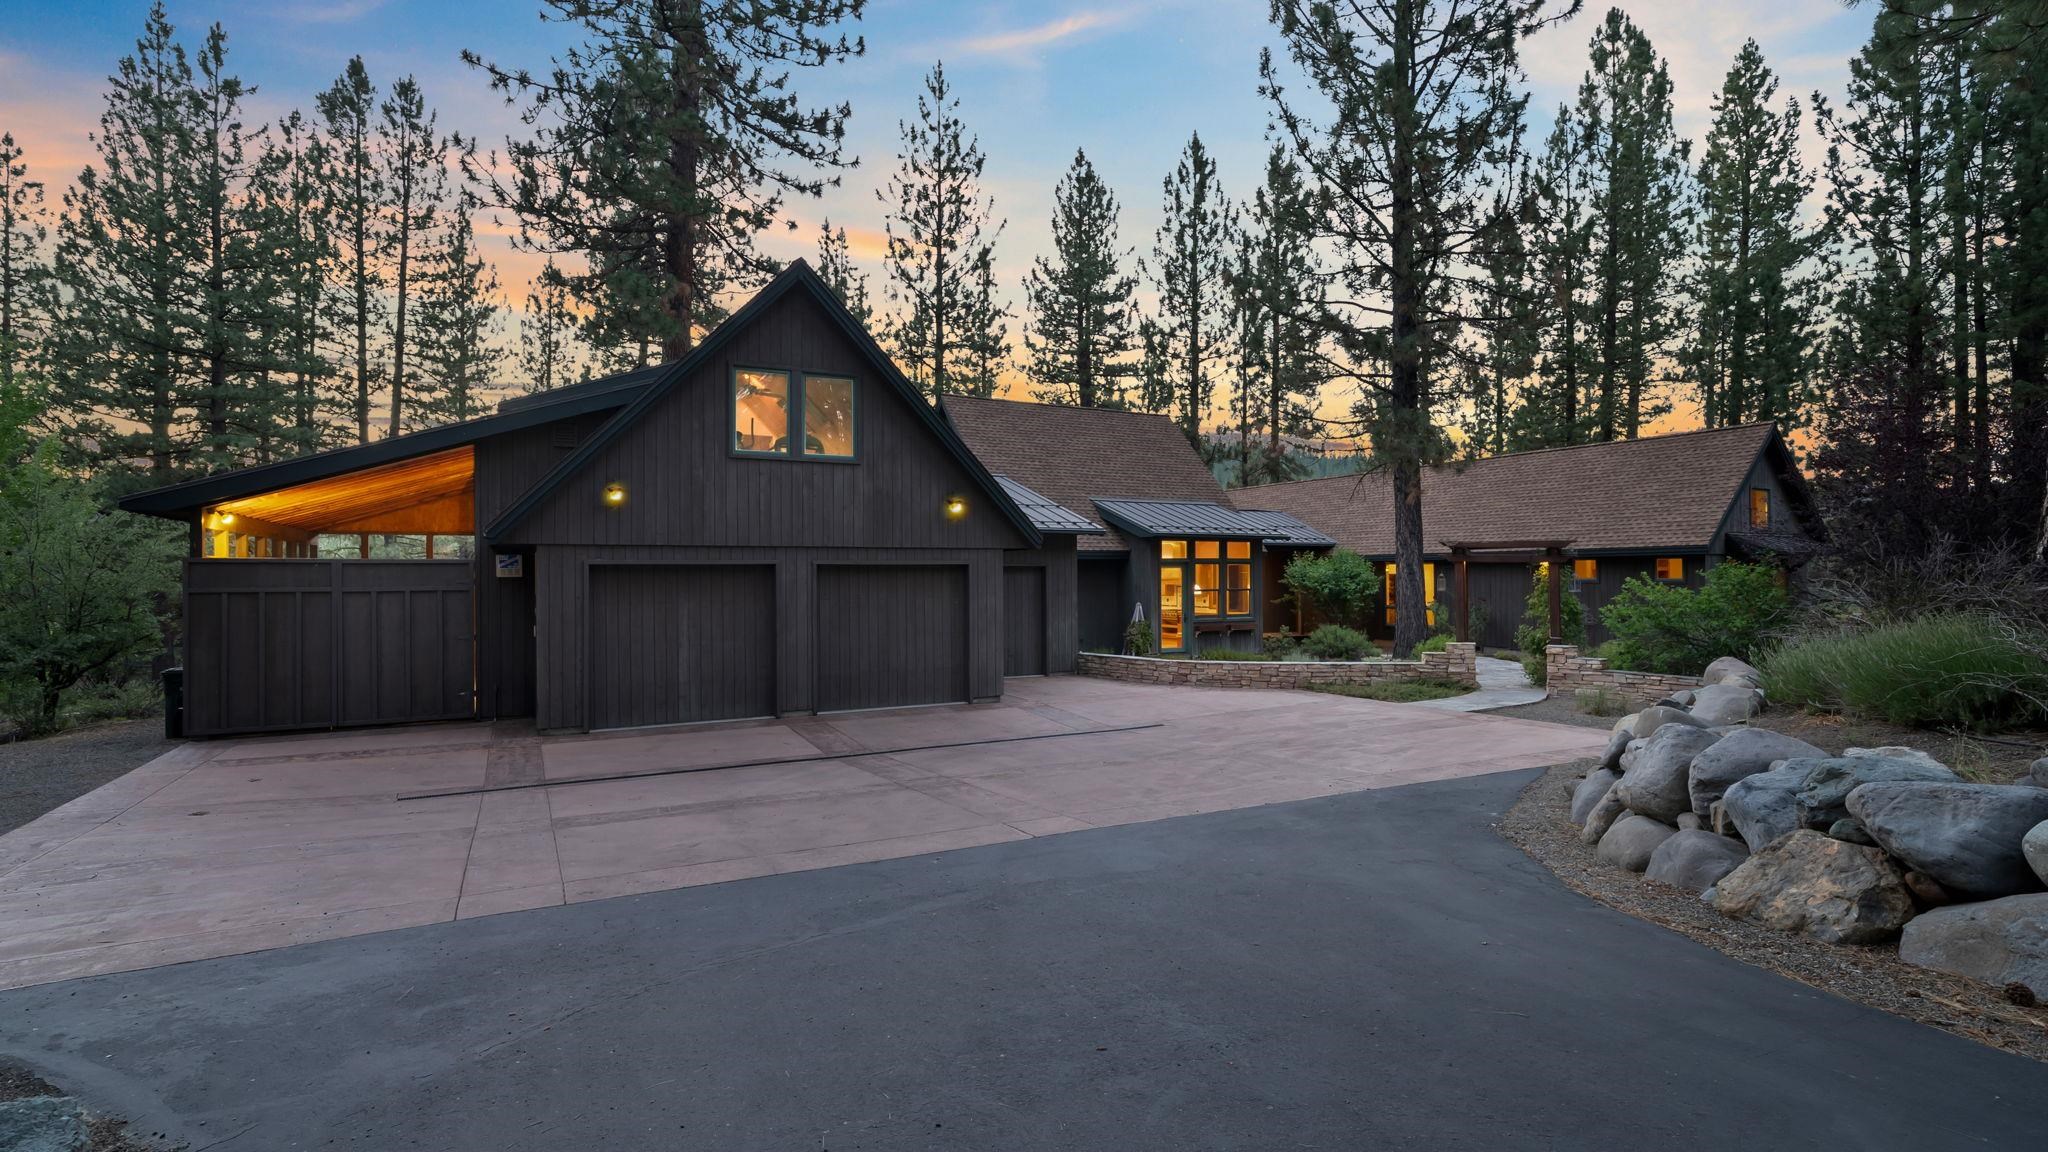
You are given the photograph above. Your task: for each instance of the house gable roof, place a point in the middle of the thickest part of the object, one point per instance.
(1076, 456)
(1659, 493)
(798, 277)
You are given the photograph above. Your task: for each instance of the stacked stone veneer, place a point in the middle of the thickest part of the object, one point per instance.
(1457, 662)
(1568, 671)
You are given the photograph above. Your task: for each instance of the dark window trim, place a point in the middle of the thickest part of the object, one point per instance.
(1223, 619)
(803, 401)
(798, 380)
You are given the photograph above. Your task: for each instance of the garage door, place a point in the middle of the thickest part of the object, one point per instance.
(890, 636)
(1023, 621)
(670, 644)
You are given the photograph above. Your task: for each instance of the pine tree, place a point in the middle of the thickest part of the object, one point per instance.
(1082, 314)
(1507, 317)
(1747, 351)
(1276, 300)
(24, 232)
(663, 142)
(413, 172)
(1639, 220)
(987, 342)
(347, 109)
(939, 236)
(125, 250)
(1190, 270)
(296, 186)
(1552, 407)
(835, 268)
(547, 333)
(1421, 105)
(459, 324)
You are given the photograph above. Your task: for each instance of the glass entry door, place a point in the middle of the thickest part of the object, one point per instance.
(1172, 607)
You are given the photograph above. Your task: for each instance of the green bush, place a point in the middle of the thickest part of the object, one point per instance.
(1437, 642)
(1659, 627)
(1336, 642)
(1340, 586)
(1534, 633)
(1220, 653)
(1277, 645)
(1138, 638)
(1951, 671)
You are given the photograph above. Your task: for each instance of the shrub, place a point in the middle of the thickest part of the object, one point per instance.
(1534, 634)
(1230, 654)
(1138, 638)
(1340, 586)
(1952, 671)
(1277, 645)
(1668, 628)
(1336, 642)
(1437, 642)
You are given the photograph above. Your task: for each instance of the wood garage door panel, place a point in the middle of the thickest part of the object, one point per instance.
(890, 636)
(1023, 621)
(673, 644)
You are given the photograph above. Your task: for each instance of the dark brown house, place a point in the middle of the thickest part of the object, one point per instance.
(1661, 507)
(776, 524)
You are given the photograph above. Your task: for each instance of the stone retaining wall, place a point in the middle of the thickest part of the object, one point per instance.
(1458, 662)
(1567, 671)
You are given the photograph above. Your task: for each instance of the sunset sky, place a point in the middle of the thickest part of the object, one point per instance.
(1126, 81)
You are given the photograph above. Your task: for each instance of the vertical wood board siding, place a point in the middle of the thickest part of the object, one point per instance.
(892, 635)
(677, 643)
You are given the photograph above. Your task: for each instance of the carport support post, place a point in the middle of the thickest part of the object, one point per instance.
(1554, 565)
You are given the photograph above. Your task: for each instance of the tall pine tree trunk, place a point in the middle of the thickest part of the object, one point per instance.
(1409, 419)
(679, 248)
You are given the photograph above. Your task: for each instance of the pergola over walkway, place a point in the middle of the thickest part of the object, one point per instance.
(1549, 553)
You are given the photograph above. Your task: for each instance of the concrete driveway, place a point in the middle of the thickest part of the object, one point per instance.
(1377, 970)
(237, 846)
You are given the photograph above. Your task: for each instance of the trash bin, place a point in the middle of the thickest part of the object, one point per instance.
(174, 703)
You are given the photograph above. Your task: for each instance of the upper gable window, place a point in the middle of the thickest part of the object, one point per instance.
(764, 401)
(1760, 507)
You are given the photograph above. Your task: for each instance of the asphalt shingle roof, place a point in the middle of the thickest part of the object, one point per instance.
(1075, 456)
(1659, 492)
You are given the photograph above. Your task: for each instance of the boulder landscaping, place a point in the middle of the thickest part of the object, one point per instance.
(1875, 845)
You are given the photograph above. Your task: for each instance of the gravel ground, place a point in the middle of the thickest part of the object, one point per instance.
(1539, 824)
(103, 1133)
(1992, 761)
(38, 775)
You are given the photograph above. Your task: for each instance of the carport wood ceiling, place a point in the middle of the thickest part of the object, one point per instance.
(426, 494)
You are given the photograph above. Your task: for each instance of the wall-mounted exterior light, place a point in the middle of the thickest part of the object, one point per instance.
(225, 519)
(614, 495)
(956, 507)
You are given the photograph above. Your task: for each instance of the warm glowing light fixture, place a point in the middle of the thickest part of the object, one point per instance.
(956, 507)
(226, 518)
(614, 495)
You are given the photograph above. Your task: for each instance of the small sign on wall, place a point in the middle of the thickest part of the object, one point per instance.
(511, 565)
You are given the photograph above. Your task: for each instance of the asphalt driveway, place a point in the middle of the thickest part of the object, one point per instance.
(227, 847)
(1370, 970)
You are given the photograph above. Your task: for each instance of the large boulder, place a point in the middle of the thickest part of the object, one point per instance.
(1590, 791)
(1657, 783)
(1726, 704)
(1808, 793)
(1895, 752)
(1633, 840)
(1617, 744)
(1657, 716)
(1602, 816)
(2034, 845)
(1997, 941)
(1695, 859)
(1742, 753)
(1831, 890)
(1729, 670)
(2037, 775)
(1966, 836)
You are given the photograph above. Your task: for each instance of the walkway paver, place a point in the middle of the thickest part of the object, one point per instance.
(1502, 684)
(237, 846)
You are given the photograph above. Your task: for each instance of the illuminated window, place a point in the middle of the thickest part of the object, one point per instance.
(1670, 568)
(1237, 589)
(1238, 550)
(828, 416)
(1585, 569)
(1172, 625)
(1208, 588)
(1759, 507)
(1428, 593)
(1173, 549)
(1207, 549)
(763, 401)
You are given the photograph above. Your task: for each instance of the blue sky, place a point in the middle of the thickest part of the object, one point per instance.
(1128, 80)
